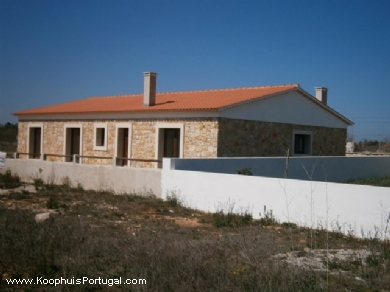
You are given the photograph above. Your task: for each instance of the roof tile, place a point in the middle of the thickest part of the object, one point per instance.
(203, 100)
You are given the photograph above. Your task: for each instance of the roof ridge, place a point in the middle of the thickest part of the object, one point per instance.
(230, 88)
(201, 90)
(114, 95)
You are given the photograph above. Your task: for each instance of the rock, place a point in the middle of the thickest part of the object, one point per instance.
(42, 217)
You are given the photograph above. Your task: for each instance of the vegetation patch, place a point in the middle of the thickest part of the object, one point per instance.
(379, 182)
(175, 248)
(9, 180)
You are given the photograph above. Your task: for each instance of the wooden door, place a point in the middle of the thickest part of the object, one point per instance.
(75, 141)
(125, 149)
(36, 142)
(172, 143)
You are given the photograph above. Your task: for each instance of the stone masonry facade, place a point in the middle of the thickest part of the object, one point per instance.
(214, 137)
(242, 138)
(200, 138)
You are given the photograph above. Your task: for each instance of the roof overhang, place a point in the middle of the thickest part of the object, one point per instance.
(121, 116)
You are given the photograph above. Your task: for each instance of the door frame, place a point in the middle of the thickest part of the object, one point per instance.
(128, 126)
(159, 144)
(34, 125)
(68, 126)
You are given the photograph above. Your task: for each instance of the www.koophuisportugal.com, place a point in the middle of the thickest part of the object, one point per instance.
(76, 281)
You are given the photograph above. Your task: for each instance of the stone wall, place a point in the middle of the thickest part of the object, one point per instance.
(200, 139)
(22, 137)
(241, 138)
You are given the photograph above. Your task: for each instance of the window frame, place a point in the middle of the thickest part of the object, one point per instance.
(96, 127)
(310, 143)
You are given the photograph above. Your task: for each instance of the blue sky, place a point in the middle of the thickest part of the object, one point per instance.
(58, 51)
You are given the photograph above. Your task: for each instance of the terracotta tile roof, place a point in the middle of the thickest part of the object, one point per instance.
(205, 100)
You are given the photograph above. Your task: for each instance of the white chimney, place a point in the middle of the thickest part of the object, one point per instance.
(322, 94)
(150, 88)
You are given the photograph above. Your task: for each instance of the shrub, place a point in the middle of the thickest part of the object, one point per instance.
(377, 181)
(66, 183)
(175, 199)
(221, 219)
(38, 183)
(244, 171)
(227, 216)
(289, 225)
(79, 187)
(9, 180)
(52, 202)
(268, 219)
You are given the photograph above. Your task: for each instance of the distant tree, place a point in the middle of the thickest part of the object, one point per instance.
(8, 132)
(9, 125)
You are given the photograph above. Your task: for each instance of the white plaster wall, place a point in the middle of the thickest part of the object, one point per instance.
(361, 209)
(289, 108)
(331, 169)
(95, 177)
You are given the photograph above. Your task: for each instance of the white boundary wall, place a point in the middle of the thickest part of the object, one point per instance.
(323, 168)
(364, 210)
(361, 209)
(94, 177)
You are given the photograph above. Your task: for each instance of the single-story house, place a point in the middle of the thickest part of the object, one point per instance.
(234, 122)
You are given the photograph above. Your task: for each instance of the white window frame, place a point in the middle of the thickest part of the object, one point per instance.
(97, 126)
(34, 125)
(128, 126)
(67, 126)
(300, 132)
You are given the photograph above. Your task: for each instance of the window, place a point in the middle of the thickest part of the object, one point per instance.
(302, 141)
(100, 137)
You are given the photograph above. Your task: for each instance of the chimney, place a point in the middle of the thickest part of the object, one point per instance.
(149, 88)
(322, 94)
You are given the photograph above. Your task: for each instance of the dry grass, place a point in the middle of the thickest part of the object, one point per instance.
(174, 248)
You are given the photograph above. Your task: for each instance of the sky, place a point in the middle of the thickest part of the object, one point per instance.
(54, 51)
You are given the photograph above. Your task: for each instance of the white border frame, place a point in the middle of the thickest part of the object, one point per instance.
(160, 126)
(67, 126)
(100, 126)
(34, 125)
(301, 132)
(123, 126)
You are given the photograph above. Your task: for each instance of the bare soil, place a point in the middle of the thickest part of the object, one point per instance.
(174, 248)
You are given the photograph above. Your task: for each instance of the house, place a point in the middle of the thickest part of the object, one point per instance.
(143, 128)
